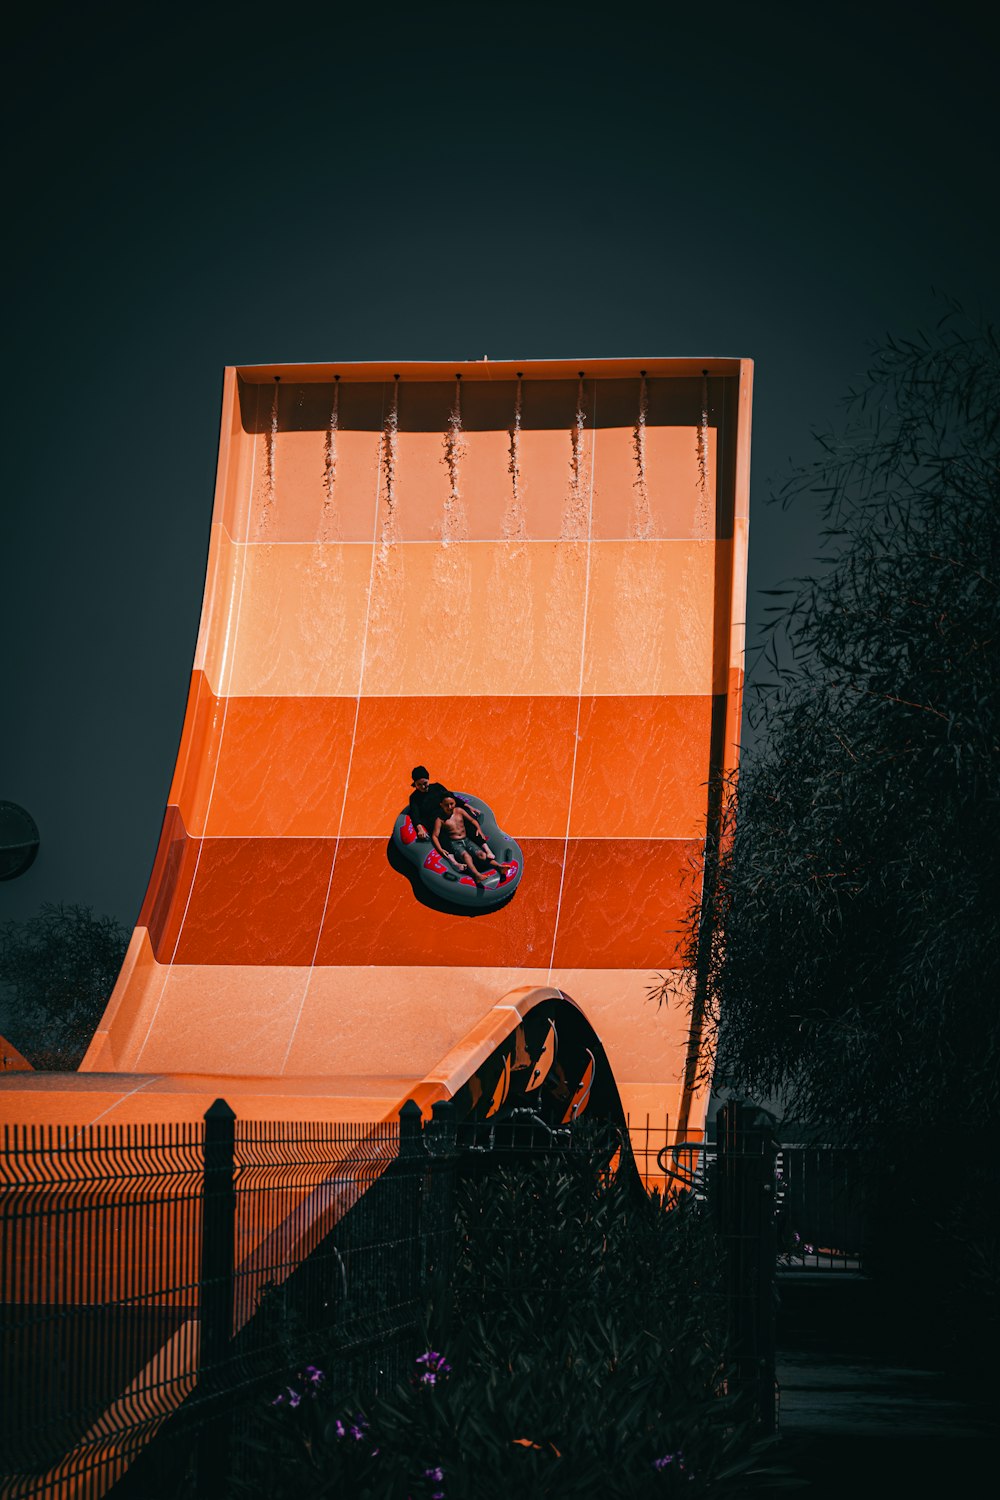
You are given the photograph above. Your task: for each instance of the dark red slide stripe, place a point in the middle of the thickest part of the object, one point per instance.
(261, 901)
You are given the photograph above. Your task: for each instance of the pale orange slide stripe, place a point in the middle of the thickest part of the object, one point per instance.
(477, 615)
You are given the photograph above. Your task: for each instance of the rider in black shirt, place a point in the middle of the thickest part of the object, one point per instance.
(425, 802)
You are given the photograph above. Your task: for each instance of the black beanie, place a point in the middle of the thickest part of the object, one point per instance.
(419, 772)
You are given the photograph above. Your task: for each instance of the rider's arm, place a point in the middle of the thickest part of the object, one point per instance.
(471, 822)
(435, 840)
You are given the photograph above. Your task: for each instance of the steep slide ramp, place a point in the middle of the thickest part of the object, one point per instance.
(528, 577)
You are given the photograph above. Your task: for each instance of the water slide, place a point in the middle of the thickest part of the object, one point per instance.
(528, 577)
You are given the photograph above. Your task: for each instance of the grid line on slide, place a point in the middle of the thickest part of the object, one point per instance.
(354, 735)
(579, 691)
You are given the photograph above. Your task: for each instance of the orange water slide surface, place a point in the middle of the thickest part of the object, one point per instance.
(529, 578)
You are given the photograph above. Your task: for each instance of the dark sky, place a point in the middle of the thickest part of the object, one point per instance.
(189, 190)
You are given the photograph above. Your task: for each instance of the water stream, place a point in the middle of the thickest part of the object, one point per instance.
(513, 525)
(328, 572)
(452, 523)
(386, 582)
(390, 463)
(642, 520)
(451, 601)
(703, 512)
(271, 445)
(510, 577)
(574, 521)
(567, 581)
(330, 462)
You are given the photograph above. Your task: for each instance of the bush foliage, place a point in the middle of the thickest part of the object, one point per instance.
(57, 970)
(578, 1351)
(855, 965)
(854, 960)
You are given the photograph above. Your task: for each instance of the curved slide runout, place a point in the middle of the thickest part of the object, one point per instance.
(530, 581)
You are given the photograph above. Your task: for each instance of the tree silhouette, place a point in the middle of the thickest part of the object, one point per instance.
(57, 970)
(849, 964)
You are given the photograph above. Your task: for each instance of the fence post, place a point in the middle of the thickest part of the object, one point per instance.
(747, 1152)
(408, 1193)
(218, 1241)
(411, 1131)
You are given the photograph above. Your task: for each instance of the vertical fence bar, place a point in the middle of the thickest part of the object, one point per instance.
(411, 1204)
(218, 1235)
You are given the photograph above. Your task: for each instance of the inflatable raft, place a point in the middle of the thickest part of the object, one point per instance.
(444, 879)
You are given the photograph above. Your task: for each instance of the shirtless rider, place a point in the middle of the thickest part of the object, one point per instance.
(451, 839)
(425, 801)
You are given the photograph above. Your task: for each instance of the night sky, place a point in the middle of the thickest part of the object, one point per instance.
(188, 190)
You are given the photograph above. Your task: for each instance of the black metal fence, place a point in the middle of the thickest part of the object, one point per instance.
(150, 1276)
(783, 1204)
(153, 1279)
(819, 1204)
(816, 1192)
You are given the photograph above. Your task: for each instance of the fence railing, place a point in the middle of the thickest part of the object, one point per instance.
(779, 1208)
(817, 1198)
(154, 1278)
(150, 1274)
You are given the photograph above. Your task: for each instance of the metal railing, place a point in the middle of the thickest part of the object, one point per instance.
(778, 1208)
(820, 1223)
(151, 1275)
(817, 1196)
(155, 1280)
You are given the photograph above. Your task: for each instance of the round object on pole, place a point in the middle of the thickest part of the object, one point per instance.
(18, 840)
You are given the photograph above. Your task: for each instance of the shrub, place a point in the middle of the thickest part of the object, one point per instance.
(577, 1351)
(57, 970)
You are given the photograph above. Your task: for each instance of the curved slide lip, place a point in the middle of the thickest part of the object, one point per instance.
(655, 366)
(461, 1061)
(82, 1099)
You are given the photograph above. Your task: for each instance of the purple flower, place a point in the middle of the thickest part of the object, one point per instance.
(659, 1464)
(436, 1368)
(434, 1361)
(294, 1399)
(339, 1428)
(279, 1400)
(436, 1474)
(314, 1376)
